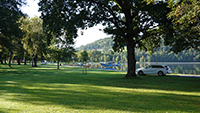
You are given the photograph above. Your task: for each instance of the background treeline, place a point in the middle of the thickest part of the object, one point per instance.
(101, 50)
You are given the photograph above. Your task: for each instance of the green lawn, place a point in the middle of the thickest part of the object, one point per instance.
(45, 89)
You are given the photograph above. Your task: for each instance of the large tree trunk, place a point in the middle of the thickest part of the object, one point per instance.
(18, 60)
(10, 57)
(130, 45)
(5, 61)
(35, 61)
(1, 61)
(32, 59)
(25, 58)
(131, 60)
(58, 64)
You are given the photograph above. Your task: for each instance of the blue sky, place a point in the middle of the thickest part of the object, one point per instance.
(89, 35)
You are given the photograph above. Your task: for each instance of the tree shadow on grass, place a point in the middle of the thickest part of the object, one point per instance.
(78, 96)
(105, 78)
(100, 91)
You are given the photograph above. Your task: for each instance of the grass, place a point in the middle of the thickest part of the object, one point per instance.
(45, 89)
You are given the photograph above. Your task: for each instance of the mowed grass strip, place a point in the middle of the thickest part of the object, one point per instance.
(45, 89)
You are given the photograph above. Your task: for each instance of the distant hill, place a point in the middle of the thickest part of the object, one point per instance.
(97, 45)
(105, 45)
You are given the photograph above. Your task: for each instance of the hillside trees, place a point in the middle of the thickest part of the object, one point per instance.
(129, 22)
(94, 55)
(161, 54)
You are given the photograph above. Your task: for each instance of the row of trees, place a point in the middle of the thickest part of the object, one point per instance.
(33, 43)
(141, 56)
(24, 38)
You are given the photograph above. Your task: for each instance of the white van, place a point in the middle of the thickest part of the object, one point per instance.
(161, 70)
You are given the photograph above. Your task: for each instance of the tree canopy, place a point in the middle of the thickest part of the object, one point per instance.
(186, 25)
(33, 40)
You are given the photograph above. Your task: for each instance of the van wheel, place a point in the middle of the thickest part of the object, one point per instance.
(160, 73)
(140, 73)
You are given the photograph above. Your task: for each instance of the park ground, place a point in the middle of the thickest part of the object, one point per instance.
(45, 89)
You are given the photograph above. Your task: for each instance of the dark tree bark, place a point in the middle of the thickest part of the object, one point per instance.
(35, 61)
(32, 59)
(1, 61)
(131, 58)
(58, 63)
(130, 44)
(10, 57)
(18, 61)
(25, 60)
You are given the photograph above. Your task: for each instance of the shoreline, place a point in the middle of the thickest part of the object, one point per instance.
(109, 69)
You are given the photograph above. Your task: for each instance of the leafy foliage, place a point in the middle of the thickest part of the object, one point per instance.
(33, 40)
(9, 15)
(54, 16)
(186, 25)
(84, 55)
(54, 53)
(9, 28)
(60, 49)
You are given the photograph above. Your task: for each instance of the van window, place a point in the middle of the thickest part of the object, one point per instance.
(157, 66)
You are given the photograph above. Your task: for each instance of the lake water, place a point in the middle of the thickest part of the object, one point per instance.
(176, 67)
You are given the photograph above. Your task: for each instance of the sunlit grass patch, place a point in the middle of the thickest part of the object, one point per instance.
(45, 89)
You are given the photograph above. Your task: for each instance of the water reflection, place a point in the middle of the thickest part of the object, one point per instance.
(180, 68)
